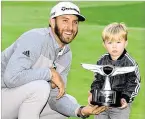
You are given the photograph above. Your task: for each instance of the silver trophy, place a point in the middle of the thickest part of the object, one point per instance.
(106, 96)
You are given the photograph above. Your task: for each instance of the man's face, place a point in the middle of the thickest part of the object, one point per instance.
(66, 28)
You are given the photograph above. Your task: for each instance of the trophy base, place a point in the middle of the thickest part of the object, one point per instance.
(108, 98)
(106, 104)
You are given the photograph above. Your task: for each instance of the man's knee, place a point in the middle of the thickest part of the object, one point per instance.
(41, 84)
(35, 92)
(41, 88)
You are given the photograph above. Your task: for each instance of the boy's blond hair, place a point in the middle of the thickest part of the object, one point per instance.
(115, 31)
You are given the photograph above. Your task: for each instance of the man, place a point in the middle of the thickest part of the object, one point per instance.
(40, 58)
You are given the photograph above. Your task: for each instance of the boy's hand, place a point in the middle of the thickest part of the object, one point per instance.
(123, 103)
(57, 81)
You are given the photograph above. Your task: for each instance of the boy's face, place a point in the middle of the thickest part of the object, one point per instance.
(115, 47)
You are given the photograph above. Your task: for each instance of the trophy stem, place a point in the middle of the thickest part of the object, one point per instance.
(107, 85)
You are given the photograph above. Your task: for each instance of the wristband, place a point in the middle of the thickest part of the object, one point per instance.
(80, 113)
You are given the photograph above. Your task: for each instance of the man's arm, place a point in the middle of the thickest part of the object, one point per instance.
(68, 105)
(19, 69)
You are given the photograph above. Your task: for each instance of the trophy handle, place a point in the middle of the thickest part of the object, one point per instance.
(107, 85)
(94, 68)
(123, 70)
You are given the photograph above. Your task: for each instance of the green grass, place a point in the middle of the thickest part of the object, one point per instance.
(18, 17)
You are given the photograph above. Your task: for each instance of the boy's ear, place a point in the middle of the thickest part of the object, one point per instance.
(126, 43)
(52, 23)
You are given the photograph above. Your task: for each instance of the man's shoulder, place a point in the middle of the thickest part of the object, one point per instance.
(36, 34)
(40, 31)
(34, 37)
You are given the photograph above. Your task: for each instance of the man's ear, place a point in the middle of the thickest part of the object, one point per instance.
(52, 23)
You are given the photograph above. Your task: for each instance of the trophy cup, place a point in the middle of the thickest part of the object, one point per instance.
(106, 96)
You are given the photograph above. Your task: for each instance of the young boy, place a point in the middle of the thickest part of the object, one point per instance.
(115, 41)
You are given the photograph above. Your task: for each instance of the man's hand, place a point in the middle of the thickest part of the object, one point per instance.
(57, 81)
(89, 98)
(92, 110)
(123, 103)
(53, 85)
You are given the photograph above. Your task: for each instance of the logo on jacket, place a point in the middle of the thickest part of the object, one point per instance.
(27, 53)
